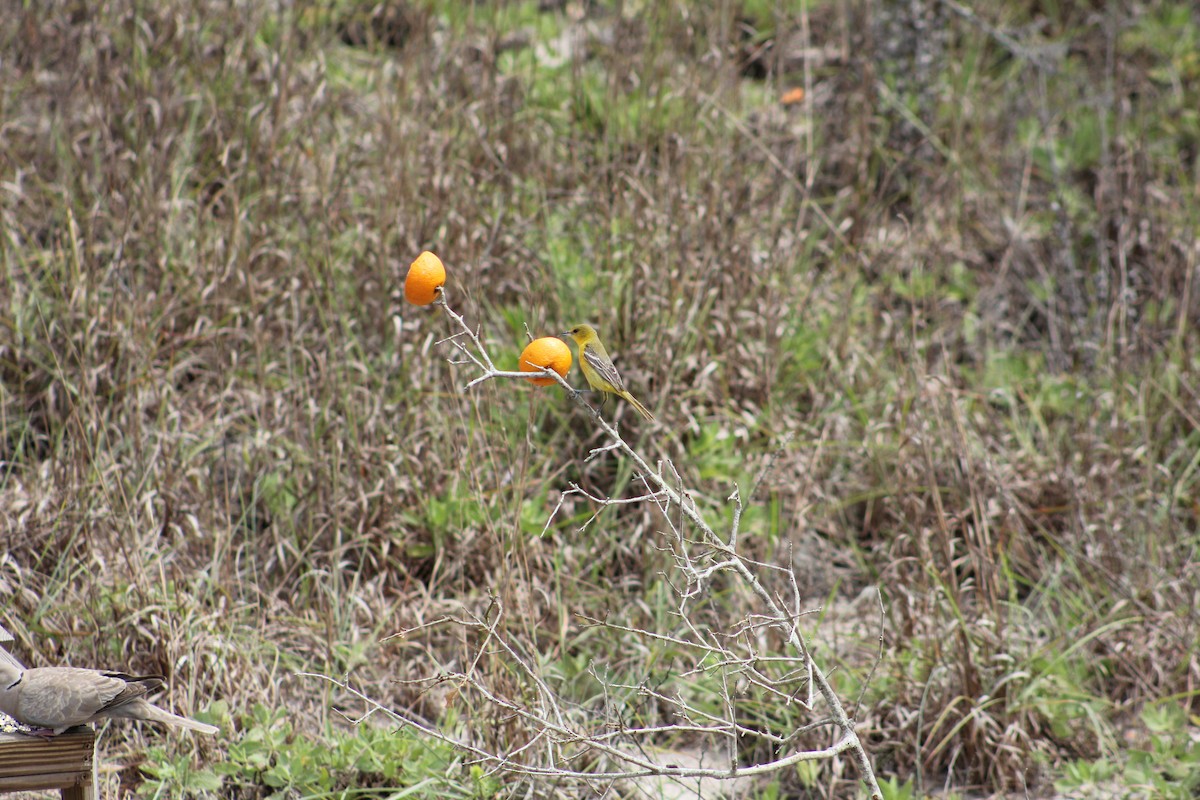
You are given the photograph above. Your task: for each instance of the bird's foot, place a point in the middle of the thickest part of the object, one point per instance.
(41, 733)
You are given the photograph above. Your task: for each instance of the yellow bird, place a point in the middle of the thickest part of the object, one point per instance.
(598, 367)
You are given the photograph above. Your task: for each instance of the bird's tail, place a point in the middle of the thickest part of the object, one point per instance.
(641, 409)
(145, 710)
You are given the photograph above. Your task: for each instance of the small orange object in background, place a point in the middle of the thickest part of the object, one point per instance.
(426, 277)
(792, 96)
(549, 351)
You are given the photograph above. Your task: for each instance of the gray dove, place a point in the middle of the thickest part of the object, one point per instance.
(56, 698)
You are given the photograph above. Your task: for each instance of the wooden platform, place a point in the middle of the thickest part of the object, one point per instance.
(63, 762)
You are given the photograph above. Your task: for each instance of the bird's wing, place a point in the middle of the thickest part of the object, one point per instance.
(136, 687)
(604, 366)
(59, 697)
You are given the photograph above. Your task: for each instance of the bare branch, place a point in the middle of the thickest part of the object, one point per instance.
(739, 662)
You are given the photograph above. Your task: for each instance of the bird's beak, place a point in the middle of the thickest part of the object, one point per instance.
(565, 335)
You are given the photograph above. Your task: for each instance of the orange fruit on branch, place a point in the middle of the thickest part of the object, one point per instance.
(549, 351)
(426, 277)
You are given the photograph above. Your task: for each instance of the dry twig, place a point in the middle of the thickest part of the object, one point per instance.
(570, 741)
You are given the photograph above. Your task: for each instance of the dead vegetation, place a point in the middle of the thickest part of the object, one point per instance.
(958, 281)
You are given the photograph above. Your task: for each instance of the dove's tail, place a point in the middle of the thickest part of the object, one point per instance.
(145, 710)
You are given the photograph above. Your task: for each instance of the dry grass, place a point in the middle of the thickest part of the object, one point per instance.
(958, 282)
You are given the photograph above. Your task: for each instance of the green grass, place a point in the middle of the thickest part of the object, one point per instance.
(274, 755)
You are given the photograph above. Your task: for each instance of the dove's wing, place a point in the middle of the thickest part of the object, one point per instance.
(132, 704)
(59, 697)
